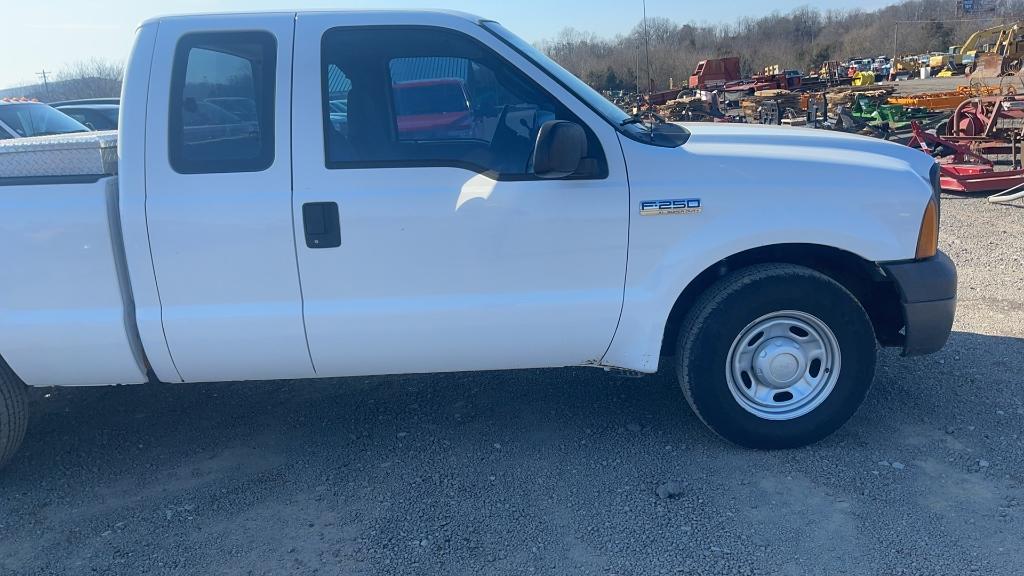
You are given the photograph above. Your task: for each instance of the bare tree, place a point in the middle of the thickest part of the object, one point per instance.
(801, 39)
(92, 78)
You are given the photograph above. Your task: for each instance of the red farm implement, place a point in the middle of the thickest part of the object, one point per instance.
(962, 169)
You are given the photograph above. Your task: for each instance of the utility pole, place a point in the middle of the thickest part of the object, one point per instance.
(46, 83)
(639, 94)
(895, 52)
(647, 50)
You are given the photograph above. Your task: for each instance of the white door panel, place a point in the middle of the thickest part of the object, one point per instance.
(444, 269)
(223, 244)
(441, 269)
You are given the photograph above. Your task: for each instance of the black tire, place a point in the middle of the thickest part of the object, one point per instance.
(723, 312)
(13, 413)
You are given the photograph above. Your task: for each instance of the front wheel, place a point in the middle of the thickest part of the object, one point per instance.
(776, 356)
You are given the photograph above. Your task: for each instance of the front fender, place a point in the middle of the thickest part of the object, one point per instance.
(750, 198)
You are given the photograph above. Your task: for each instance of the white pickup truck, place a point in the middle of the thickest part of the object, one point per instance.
(328, 194)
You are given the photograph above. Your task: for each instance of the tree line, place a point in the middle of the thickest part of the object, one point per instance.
(93, 78)
(802, 39)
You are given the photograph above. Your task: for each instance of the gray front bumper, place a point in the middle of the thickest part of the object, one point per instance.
(928, 298)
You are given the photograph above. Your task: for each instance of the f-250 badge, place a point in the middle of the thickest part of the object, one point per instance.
(670, 207)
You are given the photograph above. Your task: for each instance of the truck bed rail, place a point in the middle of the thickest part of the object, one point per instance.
(59, 156)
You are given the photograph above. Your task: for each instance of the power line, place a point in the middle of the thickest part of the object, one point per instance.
(941, 21)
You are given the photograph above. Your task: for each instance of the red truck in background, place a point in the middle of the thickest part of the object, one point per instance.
(715, 73)
(433, 108)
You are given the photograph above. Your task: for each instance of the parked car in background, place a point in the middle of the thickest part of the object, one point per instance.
(97, 114)
(86, 101)
(860, 65)
(22, 118)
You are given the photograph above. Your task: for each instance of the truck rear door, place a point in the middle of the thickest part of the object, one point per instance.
(218, 197)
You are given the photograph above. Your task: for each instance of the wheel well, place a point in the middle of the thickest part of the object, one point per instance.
(864, 279)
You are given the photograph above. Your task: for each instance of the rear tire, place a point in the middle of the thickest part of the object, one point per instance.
(13, 413)
(776, 356)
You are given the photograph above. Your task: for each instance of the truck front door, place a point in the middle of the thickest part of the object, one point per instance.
(425, 241)
(218, 198)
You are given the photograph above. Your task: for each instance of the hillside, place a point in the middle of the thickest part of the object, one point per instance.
(801, 39)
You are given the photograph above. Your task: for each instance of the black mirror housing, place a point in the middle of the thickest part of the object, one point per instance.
(560, 148)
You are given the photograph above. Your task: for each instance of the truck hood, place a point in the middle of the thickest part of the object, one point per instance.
(802, 149)
(761, 185)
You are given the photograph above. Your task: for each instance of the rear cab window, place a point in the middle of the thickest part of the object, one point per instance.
(222, 103)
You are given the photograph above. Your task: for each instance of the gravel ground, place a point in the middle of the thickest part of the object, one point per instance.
(548, 472)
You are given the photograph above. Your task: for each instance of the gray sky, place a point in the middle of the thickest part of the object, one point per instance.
(47, 34)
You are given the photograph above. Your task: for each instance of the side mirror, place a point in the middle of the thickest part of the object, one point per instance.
(559, 150)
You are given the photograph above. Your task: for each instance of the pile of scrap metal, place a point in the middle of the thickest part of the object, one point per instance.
(831, 73)
(859, 105)
(949, 100)
(962, 168)
(895, 117)
(856, 109)
(634, 103)
(781, 104)
(773, 78)
(693, 109)
(866, 110)
(848, 96)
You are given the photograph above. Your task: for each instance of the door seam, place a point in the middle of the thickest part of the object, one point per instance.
(625, 271)
(291, 176)
(145, 207)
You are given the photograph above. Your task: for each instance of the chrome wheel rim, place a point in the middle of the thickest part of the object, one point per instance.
(783, 365)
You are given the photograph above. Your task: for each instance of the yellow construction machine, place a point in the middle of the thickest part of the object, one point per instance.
(993, 52)
(909, 65)
(996, 44)
(946, 60)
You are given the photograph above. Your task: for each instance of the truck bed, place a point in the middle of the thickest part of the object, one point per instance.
(66, 308)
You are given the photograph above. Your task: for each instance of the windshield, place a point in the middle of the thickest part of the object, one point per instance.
(591, 97)
(38, 120)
